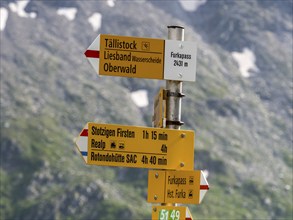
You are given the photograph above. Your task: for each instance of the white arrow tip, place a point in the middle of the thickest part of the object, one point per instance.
(204, 185)
(82, 143)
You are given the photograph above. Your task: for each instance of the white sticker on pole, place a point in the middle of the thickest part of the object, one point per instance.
(180, 60)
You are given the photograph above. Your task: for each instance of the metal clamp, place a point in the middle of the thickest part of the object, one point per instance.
(174, 94)
(178, 123)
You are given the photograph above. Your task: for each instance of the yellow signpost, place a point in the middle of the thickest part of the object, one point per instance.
(148, 58)
(170, 150)
(140, 147)
(171, 213)
(125, 56)
(187, 187)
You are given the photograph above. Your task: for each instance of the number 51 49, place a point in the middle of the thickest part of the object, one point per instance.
(169, 214)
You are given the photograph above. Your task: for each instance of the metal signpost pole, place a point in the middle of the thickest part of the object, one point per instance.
(174, 88)
(174, 92)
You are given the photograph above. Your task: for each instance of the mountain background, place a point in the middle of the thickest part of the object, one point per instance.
(240, 107)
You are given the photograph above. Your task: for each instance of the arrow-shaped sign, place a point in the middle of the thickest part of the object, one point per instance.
(188, 187)
(148, 58)
(133, 146)
(133, 57)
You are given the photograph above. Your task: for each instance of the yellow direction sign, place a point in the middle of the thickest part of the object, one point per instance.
(124, 56)
(137, 57)
(159, 117)
(188, 187)
(171, 213)
(132, 146)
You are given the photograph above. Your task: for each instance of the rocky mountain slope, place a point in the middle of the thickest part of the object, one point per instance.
(242, 115)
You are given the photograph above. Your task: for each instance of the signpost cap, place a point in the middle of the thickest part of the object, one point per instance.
(175, 26)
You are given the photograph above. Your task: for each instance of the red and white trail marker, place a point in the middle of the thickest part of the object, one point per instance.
(82, 143)
(93, 54)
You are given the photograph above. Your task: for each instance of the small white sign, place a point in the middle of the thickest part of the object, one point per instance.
(180, 60)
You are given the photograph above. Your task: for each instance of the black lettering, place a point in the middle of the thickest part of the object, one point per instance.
(181, 56)
(170, 193)
(131, 158)
(98, 144)
(108, 67)
(176, 180)
(116, 43)
(180, 194)
(125, 133)
(109, 157)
